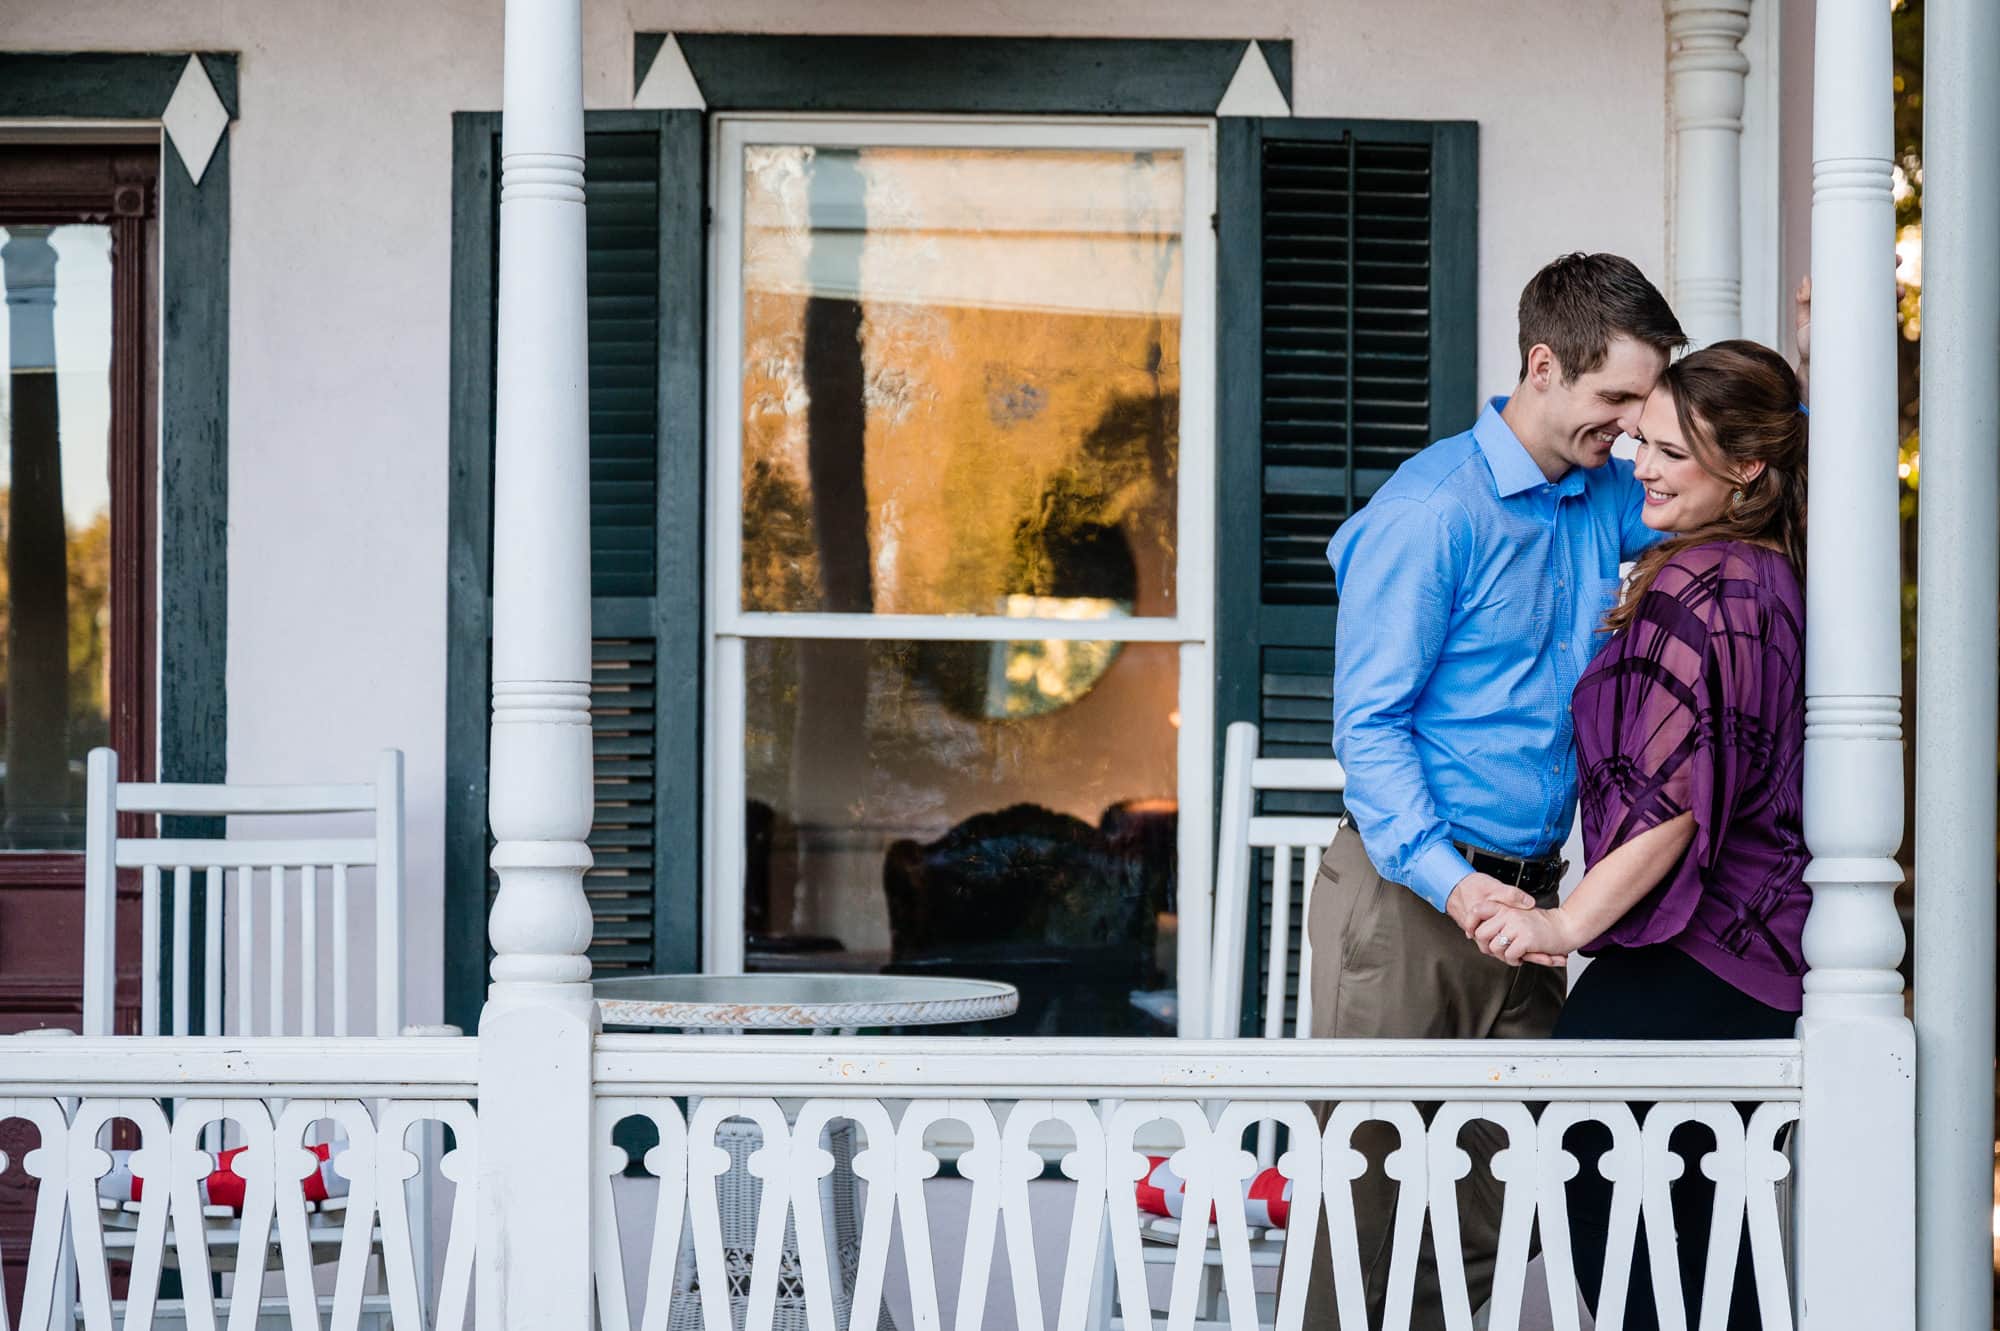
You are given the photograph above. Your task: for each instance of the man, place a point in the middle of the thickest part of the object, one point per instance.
(1472, 588)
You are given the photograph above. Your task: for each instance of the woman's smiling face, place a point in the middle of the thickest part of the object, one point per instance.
(1681, 494)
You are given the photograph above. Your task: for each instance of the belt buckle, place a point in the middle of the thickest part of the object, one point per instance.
(1498, 864)
(1515, 869)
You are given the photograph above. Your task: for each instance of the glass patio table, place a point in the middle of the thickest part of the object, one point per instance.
(822, 1004)
(799, 1001)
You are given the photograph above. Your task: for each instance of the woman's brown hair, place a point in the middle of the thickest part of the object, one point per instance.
(1737, 403)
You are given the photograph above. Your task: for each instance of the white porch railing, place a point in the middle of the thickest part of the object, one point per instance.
(96, 1260)
(1109, 1097)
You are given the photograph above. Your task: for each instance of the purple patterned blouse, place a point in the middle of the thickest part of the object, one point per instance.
(1699, 704)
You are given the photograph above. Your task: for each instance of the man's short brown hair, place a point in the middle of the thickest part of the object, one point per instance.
(1577, 304)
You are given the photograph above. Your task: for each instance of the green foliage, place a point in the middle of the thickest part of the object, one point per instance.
(1906, 28)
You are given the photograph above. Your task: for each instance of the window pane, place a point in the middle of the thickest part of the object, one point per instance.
(55, 599)
(961, 379)
(991, 809)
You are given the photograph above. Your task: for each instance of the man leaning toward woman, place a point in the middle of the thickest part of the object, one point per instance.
(1484, 649)
(1473, 587)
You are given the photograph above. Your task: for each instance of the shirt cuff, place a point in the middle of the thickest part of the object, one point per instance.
(1437, 871)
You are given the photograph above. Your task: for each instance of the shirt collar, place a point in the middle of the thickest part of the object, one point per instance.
(1514, 471)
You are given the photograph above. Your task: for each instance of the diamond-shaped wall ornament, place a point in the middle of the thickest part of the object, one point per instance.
(669, 85)
(195, 118)
(1254, 90)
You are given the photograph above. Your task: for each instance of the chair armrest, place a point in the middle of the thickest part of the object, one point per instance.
(440, 1030)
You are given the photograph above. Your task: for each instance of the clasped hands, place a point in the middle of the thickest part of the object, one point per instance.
(1505, 923)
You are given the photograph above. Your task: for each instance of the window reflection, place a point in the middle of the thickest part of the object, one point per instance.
(961, 378)
(895, 823)
(1036, 678)
(54, 653)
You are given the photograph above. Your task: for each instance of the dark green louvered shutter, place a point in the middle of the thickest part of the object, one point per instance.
(644, 253)
(1347, 333)
(622, 193)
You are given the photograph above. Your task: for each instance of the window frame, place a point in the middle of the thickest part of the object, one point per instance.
(1192, 626)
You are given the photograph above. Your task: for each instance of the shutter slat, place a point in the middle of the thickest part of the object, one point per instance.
(622, 201)
(620, 883)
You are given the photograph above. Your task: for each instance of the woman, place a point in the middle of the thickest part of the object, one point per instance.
(1690, 733)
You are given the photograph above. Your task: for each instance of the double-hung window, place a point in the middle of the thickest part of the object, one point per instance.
(962, 430)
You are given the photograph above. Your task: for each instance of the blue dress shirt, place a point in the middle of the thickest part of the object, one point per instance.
(1472, 594)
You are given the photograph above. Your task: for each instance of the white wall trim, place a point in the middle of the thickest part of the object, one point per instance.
(1766, 286)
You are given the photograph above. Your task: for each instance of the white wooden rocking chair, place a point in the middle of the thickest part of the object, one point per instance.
(275, 985)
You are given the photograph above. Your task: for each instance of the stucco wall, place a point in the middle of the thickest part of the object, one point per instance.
(340, 292)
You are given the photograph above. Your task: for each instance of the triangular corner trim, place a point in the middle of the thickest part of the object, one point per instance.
(669, 85)
(1254, 90)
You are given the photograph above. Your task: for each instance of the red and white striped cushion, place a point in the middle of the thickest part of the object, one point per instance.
(223, 1187)
(1267, 1202)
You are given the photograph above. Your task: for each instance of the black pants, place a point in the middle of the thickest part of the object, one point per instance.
(1657, 993)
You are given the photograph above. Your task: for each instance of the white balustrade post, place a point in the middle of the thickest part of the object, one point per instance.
(537, 1030)
(1705, 72)
(1856, 1186)
(1958, 640)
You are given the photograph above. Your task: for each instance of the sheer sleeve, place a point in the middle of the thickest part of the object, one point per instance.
(1678, 723)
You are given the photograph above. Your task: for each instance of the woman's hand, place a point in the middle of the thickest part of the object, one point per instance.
(1542, 937)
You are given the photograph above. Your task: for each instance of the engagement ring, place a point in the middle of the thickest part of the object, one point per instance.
(1503, 940)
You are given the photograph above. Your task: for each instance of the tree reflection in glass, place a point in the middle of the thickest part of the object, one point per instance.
(961, 396)
(955, 359)
(54, 602)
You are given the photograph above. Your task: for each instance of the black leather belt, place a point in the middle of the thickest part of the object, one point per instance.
(1532, 876)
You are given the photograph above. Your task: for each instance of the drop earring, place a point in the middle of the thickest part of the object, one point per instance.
(1735, 498)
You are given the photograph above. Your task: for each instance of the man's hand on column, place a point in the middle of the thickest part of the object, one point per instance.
(1478, 896)
(1802, 331)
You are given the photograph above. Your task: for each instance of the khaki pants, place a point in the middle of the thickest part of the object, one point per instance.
(1387, 965)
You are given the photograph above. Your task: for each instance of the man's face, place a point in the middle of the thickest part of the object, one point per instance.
(1586, 417)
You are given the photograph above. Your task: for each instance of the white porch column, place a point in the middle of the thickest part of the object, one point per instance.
(537, 1029)
(1958, 641)
(1705, 73)
(1856, 1186)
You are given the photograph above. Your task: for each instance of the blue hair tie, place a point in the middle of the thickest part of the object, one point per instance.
(1803, 411)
